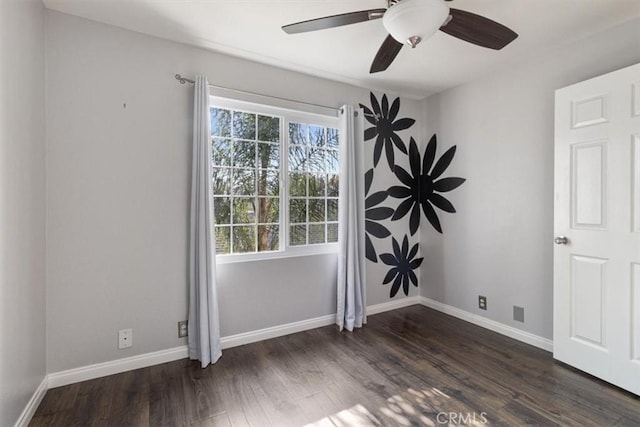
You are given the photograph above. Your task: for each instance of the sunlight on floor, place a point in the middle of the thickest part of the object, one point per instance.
(430, 407)
(355, 416)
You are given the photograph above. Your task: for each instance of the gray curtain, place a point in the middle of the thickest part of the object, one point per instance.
(204, 329)
(351, 260)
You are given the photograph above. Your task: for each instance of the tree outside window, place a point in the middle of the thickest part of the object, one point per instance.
(249, 171)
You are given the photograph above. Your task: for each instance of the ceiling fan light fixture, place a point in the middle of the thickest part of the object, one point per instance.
(410, 21)
(414, 40)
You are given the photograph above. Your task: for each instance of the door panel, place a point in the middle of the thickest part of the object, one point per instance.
(588, 284)
(635, 311)
(597, 207)
(590, 111)
(635, 166)
(588, 164)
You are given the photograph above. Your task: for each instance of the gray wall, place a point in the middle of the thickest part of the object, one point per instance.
(499, 244)
(22, 198)
(118, 188)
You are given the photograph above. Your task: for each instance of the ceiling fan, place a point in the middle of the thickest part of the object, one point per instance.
(410, 22)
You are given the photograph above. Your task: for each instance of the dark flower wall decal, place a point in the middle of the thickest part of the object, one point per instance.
(373, 213)
(403, 263)
(385, 126)
(421, 186)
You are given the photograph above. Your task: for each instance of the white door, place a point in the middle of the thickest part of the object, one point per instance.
(597, 227)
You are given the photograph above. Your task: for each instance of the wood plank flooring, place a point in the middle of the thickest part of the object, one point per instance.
(408, 367)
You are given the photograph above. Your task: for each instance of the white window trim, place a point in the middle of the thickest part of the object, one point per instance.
(286, 115)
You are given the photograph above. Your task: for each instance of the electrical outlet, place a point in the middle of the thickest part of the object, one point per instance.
(183, 329)
(482, 302)
(518, 313)
(125, 338)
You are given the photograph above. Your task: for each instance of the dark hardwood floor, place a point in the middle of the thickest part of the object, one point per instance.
(408, 367)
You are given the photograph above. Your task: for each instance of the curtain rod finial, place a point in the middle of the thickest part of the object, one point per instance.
(181, 79)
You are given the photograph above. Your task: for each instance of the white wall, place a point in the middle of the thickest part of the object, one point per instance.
(499, 244)
(118, 188)
(22, 198)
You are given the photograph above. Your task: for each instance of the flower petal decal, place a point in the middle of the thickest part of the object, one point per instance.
(421, 186)
(374, 213)
(383, 118)
(403, 266)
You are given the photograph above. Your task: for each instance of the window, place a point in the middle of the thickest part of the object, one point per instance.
(275, 179)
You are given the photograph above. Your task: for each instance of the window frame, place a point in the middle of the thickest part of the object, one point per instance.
(286, 116)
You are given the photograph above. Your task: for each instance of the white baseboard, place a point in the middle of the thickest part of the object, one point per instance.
(305, 325)
(392, 305)
(98, 370)
(492, 325)
(32, 405)
(277, 331)
(117, 366)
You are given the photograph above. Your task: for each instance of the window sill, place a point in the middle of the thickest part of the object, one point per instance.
(331, 248)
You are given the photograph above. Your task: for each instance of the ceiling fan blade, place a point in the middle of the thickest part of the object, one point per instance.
(478, 30)
(386, 54)
(334, 21)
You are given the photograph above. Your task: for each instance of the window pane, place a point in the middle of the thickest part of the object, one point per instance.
(223, 240)
(247, 154)
(316, 185)
(298, 133)
(222, 210)
(297, 158)
(244, 182)
(316, 210)
(316, 234)
(268, 183)
(298, 235)
(269, 129)
(333, 184)
(333, 164)
(220, 122)
(297, 210)
(244, 239)
(244, 154)
(268, 209)
(332, 233)
(244, 125)
(268, 156)
(221, 152)
(316, 135)
(332, 137)
(244, 211)
(221, 181)
(332, 209)
(268, 238)
(316, 160)
(298, 184)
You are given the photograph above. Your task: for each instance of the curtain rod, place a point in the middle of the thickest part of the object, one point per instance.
(184, 80)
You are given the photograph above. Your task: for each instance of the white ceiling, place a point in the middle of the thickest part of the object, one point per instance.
(251, 29)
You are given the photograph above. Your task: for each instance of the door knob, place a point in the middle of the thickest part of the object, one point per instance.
(561, 240)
